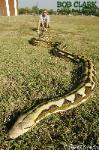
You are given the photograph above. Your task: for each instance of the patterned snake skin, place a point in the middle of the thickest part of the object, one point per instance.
(73, 99)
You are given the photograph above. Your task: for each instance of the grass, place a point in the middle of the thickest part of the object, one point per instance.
(31, 75)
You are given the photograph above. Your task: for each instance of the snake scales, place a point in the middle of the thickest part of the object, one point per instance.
(69, 101)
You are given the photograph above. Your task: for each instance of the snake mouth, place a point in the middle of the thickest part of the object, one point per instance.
(17, 130)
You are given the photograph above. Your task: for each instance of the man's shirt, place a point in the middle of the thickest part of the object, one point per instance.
(44, 18)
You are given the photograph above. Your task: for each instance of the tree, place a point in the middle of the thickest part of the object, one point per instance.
(35, 10)
(97, 11)
(51, 11)
(22, 10)
(41, 10)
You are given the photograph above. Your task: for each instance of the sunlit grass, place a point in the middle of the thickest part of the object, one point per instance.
(31, 75)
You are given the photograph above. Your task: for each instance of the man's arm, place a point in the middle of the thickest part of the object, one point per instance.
(48, 20)
(40, 21)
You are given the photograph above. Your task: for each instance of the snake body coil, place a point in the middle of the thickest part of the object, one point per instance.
(69, 101)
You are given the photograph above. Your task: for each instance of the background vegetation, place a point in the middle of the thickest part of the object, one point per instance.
(34, 10)
(31, 75)
(85, 11)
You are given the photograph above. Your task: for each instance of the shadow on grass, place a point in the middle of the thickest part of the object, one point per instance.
(33, 42)
(12, 119)
(77, 73)
(34, 29)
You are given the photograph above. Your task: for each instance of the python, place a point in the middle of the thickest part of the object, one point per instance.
(68, 101)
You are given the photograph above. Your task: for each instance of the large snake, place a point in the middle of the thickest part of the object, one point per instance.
(71, 100)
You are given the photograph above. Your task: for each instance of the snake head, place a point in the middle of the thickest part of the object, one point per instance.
(21, 126)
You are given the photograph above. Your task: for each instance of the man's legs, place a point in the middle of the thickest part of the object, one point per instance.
(44, 25)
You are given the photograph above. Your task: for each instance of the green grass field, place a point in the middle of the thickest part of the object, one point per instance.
(31, 75)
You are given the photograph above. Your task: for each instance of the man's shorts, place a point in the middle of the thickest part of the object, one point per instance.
(45, 25)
